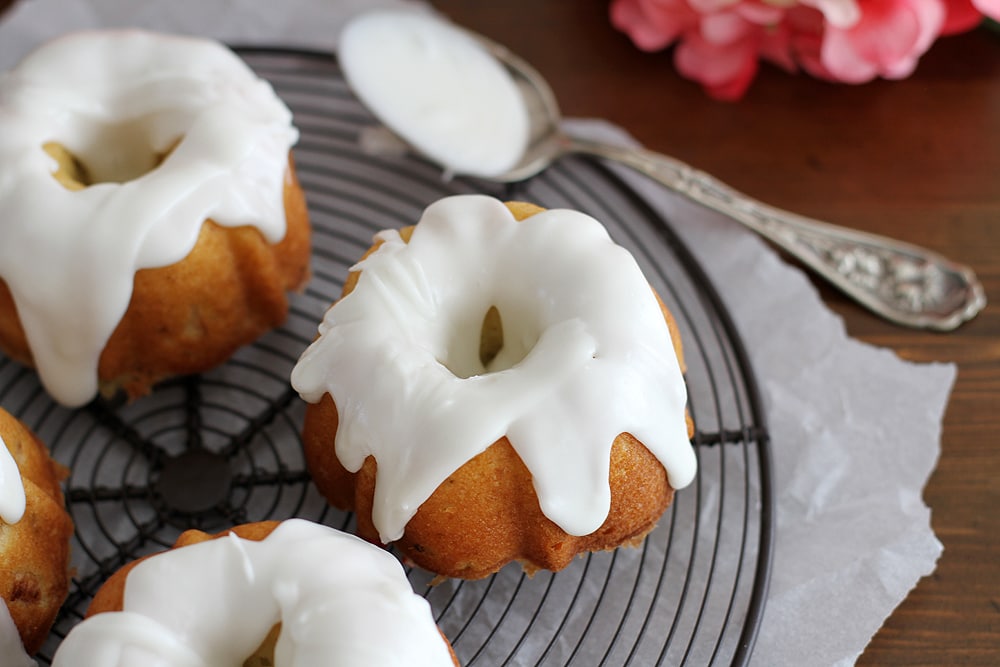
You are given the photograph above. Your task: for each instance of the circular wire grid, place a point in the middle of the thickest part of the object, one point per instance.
(223, 448)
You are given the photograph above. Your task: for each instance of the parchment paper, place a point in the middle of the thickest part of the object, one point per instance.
(855, 430)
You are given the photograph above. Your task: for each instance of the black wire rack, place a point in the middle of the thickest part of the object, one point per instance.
(223, 448)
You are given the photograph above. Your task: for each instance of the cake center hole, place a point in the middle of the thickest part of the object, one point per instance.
(108, 154)
(264, 655)
(194, 481)
(495, 343)
(491, 337)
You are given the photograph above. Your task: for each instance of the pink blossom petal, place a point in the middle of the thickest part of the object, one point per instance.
(776, 47)
(838, 13)
(668, 16)
(887, 41)
(724, 71)
(960, 16)
(725, 28)
(710, 6)
(627, 16)
(990, 8)
(887, 33)
(804, 20)
(842, 62)
(930, 14)
(760, 13)
(806, 26)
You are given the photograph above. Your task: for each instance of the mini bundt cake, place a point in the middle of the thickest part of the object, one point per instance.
(35, 531)
(498, 383)
(152, 221)
(260, 595)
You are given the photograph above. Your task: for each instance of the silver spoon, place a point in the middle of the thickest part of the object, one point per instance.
(903, 283)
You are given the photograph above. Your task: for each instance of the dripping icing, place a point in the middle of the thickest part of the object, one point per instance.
(339, 600)
(565, 287)
(12, 498)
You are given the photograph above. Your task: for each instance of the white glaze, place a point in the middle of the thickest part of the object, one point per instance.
(587, 355)
(12, 499)
(436, 87)
(11, 649)
(340, 600)
(115, 99)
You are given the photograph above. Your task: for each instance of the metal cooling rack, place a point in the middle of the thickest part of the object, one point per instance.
(223, 448)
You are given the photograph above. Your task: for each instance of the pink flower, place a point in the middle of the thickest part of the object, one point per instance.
(962, 15)
(719, 43)
(887, 40)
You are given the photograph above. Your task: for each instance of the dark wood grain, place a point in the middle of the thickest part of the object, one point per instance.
(918, 160)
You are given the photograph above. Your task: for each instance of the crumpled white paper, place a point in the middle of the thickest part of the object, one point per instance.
(855, 434)
(855, 430)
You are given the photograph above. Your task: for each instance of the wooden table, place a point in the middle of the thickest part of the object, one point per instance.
(918, 160)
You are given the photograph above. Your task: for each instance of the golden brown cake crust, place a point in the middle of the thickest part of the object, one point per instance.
(111, 595)
(486, 514)
(191, 316)
(34, 552)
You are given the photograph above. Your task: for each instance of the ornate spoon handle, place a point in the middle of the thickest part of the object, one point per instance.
(903, 283)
